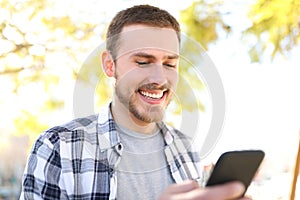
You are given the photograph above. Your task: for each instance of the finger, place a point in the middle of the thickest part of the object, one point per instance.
(183, 187)
(230, 190)
(245, 198)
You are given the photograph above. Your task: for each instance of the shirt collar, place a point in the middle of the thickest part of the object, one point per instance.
(167, 133)
(108, 136)
(106, 129)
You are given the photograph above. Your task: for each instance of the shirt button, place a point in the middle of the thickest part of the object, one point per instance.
(120, 147)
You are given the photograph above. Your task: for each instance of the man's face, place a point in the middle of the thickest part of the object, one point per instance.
(146, 71)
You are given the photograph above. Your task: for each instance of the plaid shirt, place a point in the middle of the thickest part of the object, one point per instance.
(78, 160)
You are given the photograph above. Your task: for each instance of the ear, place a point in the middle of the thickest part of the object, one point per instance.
(108, 64)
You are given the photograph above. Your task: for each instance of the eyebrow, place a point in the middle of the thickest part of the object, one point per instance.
(150, 56)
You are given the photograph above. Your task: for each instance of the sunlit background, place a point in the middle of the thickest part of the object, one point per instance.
(253, 43)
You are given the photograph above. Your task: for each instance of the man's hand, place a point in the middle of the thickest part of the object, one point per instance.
(189, 190)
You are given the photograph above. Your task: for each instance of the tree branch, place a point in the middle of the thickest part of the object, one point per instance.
(11, 71)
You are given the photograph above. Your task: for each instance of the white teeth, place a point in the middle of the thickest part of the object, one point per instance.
(152, 95)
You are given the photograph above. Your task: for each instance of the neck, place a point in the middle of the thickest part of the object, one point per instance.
(123, 117)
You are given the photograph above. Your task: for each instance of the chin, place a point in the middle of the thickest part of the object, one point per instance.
(149, 116)
(157, 116)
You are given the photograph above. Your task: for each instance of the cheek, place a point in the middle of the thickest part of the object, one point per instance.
(173, 78)
(129, 80)
(125, 70)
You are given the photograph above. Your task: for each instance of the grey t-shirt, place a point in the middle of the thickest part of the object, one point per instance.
(143, 172)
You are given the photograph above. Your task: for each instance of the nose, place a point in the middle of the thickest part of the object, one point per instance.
(157, 75)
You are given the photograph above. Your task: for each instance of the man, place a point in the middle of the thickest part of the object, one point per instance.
(125, 151)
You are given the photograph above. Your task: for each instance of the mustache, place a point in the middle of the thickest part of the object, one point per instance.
(152, 86)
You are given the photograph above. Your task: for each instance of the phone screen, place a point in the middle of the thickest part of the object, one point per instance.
(236, 166)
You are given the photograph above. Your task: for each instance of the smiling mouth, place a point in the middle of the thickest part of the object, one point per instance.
(154, 95)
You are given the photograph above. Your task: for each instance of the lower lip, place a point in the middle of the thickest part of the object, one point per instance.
(153, 101)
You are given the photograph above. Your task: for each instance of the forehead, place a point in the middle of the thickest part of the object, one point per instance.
(139, 37)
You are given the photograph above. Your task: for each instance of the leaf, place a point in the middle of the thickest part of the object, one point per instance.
(274, 24)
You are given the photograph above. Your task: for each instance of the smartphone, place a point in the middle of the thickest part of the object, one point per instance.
(236, 166)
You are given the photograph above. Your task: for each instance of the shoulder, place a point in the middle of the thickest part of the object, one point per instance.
(74, 130)
(76, 124)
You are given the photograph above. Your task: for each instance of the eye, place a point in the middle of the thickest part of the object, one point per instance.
(170, 65)
(142, 62)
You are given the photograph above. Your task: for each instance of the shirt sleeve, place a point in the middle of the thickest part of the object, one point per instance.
(43, 171)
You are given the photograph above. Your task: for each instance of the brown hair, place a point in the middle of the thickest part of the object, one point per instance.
(140, 14)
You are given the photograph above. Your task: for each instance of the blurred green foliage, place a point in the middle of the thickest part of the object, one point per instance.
(45, 47)
(275, 25)
(201, 21)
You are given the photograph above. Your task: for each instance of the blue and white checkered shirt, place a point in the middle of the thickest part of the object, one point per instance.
(78, 160)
